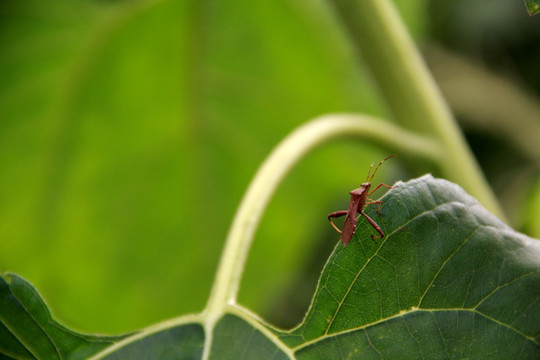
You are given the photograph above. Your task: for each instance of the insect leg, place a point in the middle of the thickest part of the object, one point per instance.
(336, 214)
(378, 186)
(375, 226)
(376, 202)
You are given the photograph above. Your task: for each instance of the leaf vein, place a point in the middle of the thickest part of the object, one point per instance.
(368, 261)
(412, 310)
(499, 287)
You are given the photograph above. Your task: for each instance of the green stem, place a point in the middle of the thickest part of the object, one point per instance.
(410, 90)
(273, 170)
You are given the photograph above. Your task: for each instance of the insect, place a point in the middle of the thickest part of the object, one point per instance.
(359, 200)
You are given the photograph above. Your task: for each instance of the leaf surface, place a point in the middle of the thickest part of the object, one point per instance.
(448, 281)
(27, 330)
(441, 284)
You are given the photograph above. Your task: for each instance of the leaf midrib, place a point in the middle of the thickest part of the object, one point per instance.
(410, 311)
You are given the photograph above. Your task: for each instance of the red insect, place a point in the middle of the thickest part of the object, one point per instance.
(359, 200)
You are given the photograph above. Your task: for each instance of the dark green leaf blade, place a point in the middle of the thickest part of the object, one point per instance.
(533, 6)
(443, 283)
(236, 339)
(426, 334)
(184, 342)
(28, 331)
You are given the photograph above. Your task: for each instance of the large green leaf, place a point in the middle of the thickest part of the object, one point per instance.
(124, 123)
(449, 281)
(442, 284)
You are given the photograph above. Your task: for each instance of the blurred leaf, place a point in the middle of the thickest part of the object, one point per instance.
(443, 283)
(130, 129)
(533, 6)
(123, 124)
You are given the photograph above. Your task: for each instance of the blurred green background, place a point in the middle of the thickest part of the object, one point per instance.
(129, 131)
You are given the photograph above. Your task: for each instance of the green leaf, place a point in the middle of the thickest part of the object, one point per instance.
(533, 6)
(106, 107)
(443, 283)
(448, 281)
(179, 342)
(253, 344)
(27, 330)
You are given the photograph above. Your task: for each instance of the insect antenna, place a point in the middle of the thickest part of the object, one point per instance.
(369, 172)
(377, 168)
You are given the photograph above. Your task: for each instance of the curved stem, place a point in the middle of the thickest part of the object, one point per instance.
(273, 170)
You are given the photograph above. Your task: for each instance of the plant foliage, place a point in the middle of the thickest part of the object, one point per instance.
(448, 281)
